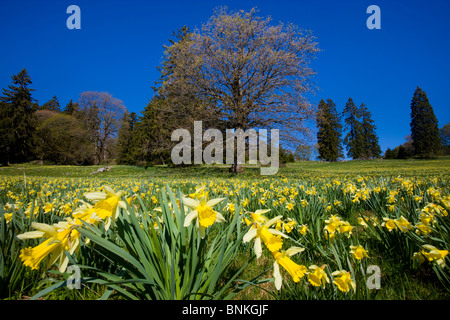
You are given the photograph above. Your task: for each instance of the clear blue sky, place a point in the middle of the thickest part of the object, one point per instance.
(120, 45)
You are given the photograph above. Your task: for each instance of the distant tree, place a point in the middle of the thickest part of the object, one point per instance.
(125, 146)
(52, 105)
(304, 152)
(286, 156)
(407, 149)
(424, 126)
(102, 113)
(402, 152)
(370, 145)
(62, 139)
(151, 140)
(329, 131)
(354, 140)
(17, 120)
(72, 108)
(389, 154)
(445, 138)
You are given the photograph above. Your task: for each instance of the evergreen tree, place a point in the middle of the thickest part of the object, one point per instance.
(16, 120)
(52, 105)
(125, 146)
(424, 126)
(151, 140)
(329, 133)
(72, 108)
(389, 154)
(354, 138)
(370, 147)
(402, 153)
(445, 138)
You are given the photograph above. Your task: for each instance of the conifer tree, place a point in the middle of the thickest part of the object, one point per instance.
(424, 126)
(125, 146)
(52, 105)
(329, 133)
(16, 120)
(445, 138)
(370, 147)
(72, 108)
(151, 140)
(354, 138)
(389, 154)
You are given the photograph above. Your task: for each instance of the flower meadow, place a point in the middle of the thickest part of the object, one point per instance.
(296, 235)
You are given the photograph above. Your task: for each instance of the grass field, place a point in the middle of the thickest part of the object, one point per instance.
(349, 230)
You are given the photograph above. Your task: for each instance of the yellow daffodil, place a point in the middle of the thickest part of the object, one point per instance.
(61, 237)
(288, 226)
(107, 204)
(86, 213)
(426, 218)
(403, 224)
(358, 252)
(204, 213)
(283, 258)
(48, 207)
(345, 227)
(230, 207)
(431, 253)
(362, 221)
(389, 224)
(317, 276)
(343, 280)
(200, 192)
(422, 229)
(8, 217)
(262, 233)
(303, 229)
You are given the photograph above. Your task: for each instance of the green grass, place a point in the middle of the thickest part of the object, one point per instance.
(407, 168)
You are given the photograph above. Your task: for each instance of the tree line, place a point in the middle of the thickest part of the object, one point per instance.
(82, 133)
(361, 140)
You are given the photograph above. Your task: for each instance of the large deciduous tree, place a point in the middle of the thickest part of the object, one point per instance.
(255, 74)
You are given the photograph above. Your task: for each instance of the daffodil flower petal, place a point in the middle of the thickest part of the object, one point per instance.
(213, 202)
(219, 217)
(294, 250)
(258, 247)
(31, 235)
(191, 203)
(272, 221)
(277, 276)
(95, 196)
(249, 235)
(277, 232)
(191, 216)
